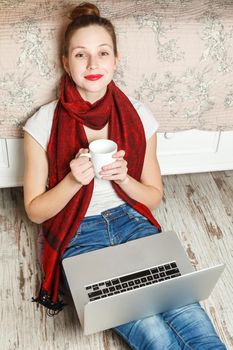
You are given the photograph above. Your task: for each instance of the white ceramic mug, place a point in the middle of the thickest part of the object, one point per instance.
(101, 152)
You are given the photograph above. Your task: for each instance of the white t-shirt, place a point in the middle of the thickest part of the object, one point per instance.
(104, 197)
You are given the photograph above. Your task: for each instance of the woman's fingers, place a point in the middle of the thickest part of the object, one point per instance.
(82, 169)
(118, 166)
(119, 155)
(116, 171)
(83, 172)
(81, 151)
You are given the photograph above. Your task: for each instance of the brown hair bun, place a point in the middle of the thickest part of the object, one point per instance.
(85, 15)
(84, 9)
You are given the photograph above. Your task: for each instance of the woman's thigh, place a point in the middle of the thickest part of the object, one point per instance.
(91, 235)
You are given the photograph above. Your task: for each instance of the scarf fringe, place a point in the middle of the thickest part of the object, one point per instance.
(52, 308)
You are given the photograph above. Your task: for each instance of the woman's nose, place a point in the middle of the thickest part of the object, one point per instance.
(92, 62)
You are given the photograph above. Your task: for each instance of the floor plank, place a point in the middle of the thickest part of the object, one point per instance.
(197, 206)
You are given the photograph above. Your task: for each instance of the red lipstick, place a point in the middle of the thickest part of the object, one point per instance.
(93, 77)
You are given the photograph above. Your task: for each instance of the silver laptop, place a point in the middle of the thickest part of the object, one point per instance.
(122, 283)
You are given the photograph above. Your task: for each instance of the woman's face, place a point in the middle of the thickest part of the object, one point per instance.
(91, 61)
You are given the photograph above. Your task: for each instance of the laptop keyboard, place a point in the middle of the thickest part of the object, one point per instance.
(132, 281)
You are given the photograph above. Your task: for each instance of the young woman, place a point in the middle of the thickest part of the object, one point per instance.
(62, 193)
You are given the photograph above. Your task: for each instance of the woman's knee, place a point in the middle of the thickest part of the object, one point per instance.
(193, 327)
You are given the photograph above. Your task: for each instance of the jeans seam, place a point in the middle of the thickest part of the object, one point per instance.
(76, 235)
(179, 336)
(107, 225)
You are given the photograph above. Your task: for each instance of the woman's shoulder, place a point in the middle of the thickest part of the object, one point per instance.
(40, 123)
(148, 119)
(48, 106)
(45, 111)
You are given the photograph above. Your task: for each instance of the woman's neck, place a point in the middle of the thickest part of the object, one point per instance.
(91, 97)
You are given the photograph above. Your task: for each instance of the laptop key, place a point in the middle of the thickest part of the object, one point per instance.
(161, 268)
(108, 283)
(155, 270)
(95, 294)
(176, 275)
(173, 265)
(111, 289)
(115, 281)
(172, 272)
(134, 275)
(167, 267)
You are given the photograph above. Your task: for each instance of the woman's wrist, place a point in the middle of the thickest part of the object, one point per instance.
(123, 182)
(73, 181)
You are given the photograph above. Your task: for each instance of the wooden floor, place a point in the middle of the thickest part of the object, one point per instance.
(199, 207)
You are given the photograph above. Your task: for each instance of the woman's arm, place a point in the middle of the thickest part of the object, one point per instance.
(40, 204)
(150, 190)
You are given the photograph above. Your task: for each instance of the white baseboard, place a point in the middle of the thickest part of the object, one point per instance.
(183, 152)
(11, 162)
(195, 151)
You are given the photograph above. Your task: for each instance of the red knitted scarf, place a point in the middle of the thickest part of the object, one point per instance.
(67, 137)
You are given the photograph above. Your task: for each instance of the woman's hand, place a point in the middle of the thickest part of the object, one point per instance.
(81, 168)
(116, 171)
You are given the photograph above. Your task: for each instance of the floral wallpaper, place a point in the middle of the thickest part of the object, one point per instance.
(176, 56)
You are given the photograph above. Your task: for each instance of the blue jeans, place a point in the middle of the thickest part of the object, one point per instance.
(188, 327)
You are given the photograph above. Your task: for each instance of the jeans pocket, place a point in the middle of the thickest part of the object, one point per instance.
(135, 215)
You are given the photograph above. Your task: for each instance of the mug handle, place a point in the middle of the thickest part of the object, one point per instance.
(85, 155)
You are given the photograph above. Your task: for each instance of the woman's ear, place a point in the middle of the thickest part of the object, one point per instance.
(117, 59)
(66, 64)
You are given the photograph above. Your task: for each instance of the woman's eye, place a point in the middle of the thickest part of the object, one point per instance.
(79, 55)
(104, 53)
